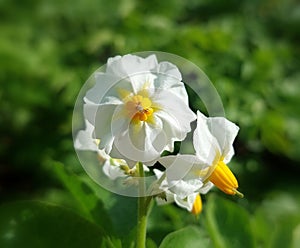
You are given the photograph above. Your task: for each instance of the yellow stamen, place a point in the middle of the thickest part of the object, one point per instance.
(139, 108)
(223, 178)
(197, 206)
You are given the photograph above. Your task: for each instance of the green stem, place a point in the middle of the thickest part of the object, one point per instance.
(143, 207)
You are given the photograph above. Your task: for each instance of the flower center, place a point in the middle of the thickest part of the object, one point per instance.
(139, 108)
(223, 178)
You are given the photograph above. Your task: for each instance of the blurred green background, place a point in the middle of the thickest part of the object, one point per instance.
(250, 51)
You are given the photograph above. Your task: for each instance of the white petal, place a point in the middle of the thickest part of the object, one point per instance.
(182, 166)
(104, 84)
(112, 171)
(169, 78)
(103, 155)
(90, 111)
(187, 202)
(130, 65)
(175, 114)
(101, 117)
(157, 138)
(172, 130)
(169, 70)
(137, 144)
(112, 60)
(164, 184)
(184, 161)
(183, 188)
(225, 132)
(206, 187)
(84, 139)
(181, 173)
(143, 81)
(169, 199)
(140, 142)
(158, 173)
(205, 144)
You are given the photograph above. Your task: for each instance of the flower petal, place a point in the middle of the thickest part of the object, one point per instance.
(183, 188)
(186, 202)
(100, 116)
(175, 114)
(130, 64)
(205, 144)
(182, 173)
(168, 106)
(181, 160)
(143, 82)
(112, 171)
(206, 187)
(84, 139)
(169, 78)
(169, 70)
(169, 199)
(138, 144)
(225, 132)
(104, 84)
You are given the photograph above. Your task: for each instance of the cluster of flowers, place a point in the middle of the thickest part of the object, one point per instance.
(136, 110)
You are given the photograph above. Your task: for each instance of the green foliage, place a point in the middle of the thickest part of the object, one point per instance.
(228, 224)
(113, 213)
(37, 224)
(249, 50)
(91, 206)
(276, 221)
(188, 237)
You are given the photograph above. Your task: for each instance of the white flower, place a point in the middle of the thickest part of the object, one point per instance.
(138, 107)
(84, 139)
(186, 202)
(213, 142)
(113, 168)
(184, 174)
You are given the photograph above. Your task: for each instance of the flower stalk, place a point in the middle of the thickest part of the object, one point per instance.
(143, 209)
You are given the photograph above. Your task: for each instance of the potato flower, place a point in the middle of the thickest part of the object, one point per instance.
(213, 143)
(112, 168)
(191, 203)
(138, 108)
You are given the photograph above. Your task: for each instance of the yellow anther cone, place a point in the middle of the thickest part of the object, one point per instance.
(223, 178)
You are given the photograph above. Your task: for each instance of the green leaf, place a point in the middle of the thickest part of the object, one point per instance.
(276, 221)
(285, 232)
(188, 237)
(150, 243)
(296, 237)
(36, 224)
(228, 224)
(124, 218)
(91, 206)
(116, 215)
